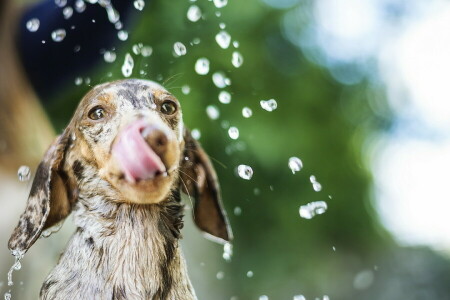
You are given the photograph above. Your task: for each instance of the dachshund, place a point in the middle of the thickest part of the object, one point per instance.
(119, 167)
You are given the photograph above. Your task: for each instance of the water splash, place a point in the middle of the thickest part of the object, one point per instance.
(67, 12)
(58, 35)
(220, 3)
(194, 13)
(269, 105)
(18, 255)
(139, 4)
(128, 65)
(236, 59)
(312, 209)
(245, 172)
(8, 295)
(315, 184)
(233, 132)
(224, 97)
(295, 164)
(213, 112)
(24, 173)
(179, 48)
(33, 25)
(109, 56)
(247, 112)
(223, 39)
(202, 66)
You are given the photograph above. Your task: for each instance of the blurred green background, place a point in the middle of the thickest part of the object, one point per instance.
(344, 253)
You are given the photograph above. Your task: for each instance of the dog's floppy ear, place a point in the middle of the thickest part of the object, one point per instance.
(199, 181)
(48, 202)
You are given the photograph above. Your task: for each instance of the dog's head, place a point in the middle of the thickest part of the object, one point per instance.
(130, 135)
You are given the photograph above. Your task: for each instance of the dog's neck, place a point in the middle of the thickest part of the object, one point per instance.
(128, 251)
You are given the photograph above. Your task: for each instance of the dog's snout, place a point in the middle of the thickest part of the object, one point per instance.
(156, 138)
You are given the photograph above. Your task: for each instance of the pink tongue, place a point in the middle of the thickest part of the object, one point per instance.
(137, 159)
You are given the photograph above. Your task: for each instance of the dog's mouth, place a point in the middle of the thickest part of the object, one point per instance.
(136, 158)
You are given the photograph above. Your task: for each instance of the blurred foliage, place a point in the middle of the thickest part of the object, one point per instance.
(323, 122)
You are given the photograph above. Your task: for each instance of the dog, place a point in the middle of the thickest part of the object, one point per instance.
(119, 167)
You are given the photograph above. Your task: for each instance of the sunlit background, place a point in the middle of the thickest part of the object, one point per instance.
(363, 100)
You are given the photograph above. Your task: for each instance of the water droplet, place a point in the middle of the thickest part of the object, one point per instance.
(245, 172)
(250, 274)
(60, 3)
(236, 44)
(269, 105)
(236, 59)
(7, 296)
(220, 80)
(118, 25)
(80, 6)
(222, 26)
(194, 13)
(237, 211)
(87, 80)
(263, 297)
(24, 173)
(179, 48)
(196, 134)
(128, 64)
(220, 3)
(227, 251)
(247, 112)
(299, 297)
(220, 275)
(224, 97)
(223, 39)
(316, 185)
(122, 35)
(196, 41)
(113, 15)
(146, 51)
(202, 66)
(33, 25)
(218, 13)
(109, 56)
(186, 89)
(312, 209)
(139, 4)
(213, 112)
(334, 248)
(67, 12)
(295, 164)
(325, 297)
(16, 266)
(58, 35)
(78, 81)
(136, 49)
(233, 132)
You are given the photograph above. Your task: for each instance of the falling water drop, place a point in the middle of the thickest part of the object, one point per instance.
(236, 59)
(78, 81)
(109, 56)
(179, 48)
(202, 66)
(196, 134)
(60, 3)
(247, 112)
(249, 274)
(236, 44)
(122, 35)
(7, 296)
(137, 49)
(146, 51)
(67, 12)
(237, 211)
(222, 25)
(233, 132)
(269, 105)
(224, 97)
(245, 172)
(220, 275)
(58, 35)
(308, 211)
(194, 13)
(80, 6)
(213, 112)
(227, 251)
(24, 173)
(220, 3)
(220, 80)
(33, 25)
(186, 89)
(295, 164)
(128, 64)
(263, 297)
(299, 297)
(113, 15)
(139, 4)
(315, 184)
(223, 39)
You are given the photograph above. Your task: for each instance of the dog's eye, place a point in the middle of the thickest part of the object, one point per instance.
(96, 113)
(168, 107)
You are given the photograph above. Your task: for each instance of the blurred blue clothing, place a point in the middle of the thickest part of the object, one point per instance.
(51, 65)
